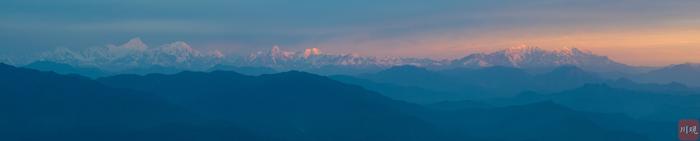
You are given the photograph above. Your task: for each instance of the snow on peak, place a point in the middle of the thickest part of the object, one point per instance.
(525, 56)
(570, 51)
(279, 53)
(311, 51)
(179, 46)
(273, 56)
(136, 54)
(181, 51)
(275, 49)
(518, 54)
(315, 58)
(217, 54)
(135, 43)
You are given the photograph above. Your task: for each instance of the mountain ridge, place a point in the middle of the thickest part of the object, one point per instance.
(531, 57)
(137, 54)
(687, 73)
(291, 105)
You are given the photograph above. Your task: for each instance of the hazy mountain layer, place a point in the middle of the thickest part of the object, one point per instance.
(283, 106)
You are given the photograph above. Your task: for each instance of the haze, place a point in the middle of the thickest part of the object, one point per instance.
(637, 32)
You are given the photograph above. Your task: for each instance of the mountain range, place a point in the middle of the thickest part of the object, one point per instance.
(176, 92)
(529, 57)
(421, 85)
(47, 106)
(135, 54)
(287, 106)
(135, 57)
(66, 69)
(682, 73)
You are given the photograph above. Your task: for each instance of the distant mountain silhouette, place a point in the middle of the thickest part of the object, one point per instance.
(673, 88)
(537, 121)
(459, 105)
(46, 106)
(290, 105)
(96, 73)
(566, 77)
(647, 105)
(498, 80)
(66, 69)
(489, 82)
(302, 106)
(344, 70)
(683, 73)
(244, 70)
(408, 75)
(154, 69)
(412, 76)
(398, 92)
(602, 98)
(655, 113)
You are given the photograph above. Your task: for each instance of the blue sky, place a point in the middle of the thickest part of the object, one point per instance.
(627, 30)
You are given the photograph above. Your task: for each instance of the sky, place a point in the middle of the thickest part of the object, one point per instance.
(637, 32)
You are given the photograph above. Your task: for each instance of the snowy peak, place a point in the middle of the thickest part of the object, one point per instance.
(135, 43)
(525, 56)
(273, 56)
(314, 58)
(276, 52)
(527, 49)
(518, 54)
(217, 53)
(180, 50)
(311, 52)
(179, 47)
(135, 54)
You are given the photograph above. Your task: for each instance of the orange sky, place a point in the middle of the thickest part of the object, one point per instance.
(637, 32)
(651, 45)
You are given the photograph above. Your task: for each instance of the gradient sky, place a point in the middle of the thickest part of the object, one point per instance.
(638, 32)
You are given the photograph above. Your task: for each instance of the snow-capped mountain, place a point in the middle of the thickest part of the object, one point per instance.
(313, 58)
(136, 54)
(529, 57)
